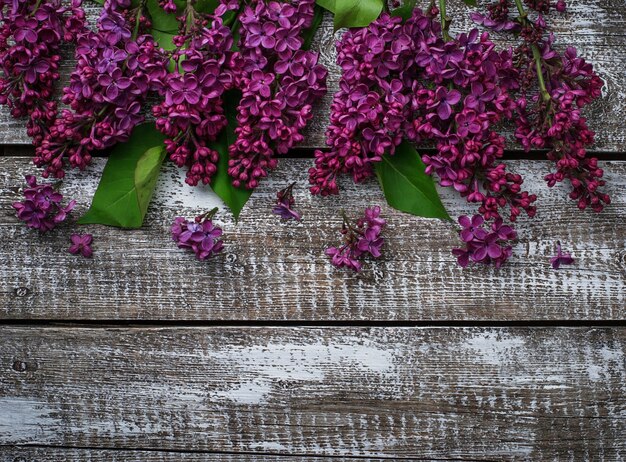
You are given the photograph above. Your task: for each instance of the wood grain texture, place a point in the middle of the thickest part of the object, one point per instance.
(595, 27)
(467, 393)
(51, 454)
(272, 270)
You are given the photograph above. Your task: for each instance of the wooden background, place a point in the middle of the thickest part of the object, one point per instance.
(267, 353)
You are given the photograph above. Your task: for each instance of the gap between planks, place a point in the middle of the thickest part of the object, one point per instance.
(12, 150)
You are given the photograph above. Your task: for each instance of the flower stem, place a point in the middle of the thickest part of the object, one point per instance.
(523, 17)
(445, 21)
(140, 8)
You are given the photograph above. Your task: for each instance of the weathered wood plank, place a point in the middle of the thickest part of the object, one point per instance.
(475, 393)
(278, 271)
(51, 454)
(595, 27)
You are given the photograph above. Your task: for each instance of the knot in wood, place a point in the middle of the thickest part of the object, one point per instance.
(20, 366)
(22, 291)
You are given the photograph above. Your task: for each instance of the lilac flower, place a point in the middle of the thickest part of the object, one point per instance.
(566, 84)
(403, 81)
(32, 33)
(191, 113)
(487, 245)
(444, 100)
(201, 236)
(41, 208)
(361, 239)
(344, 256)
(561, 258)
(371, 242)
(81, 244)
(284, 204)
(279, 83)
(103, 105)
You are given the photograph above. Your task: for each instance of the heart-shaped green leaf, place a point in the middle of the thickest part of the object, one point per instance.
(221, 183)
(327, 4)
(356, 13)
(406, 185)
(128, 180)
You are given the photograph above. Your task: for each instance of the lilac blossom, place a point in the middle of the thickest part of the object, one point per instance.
(484, 244)
(279, 82)
(81, 244)
(191, 113)
(284, 204)
(359, 240)
(41, 208)
(554, 89)
(200, 235)
(561, 258)
(117, 66)
(404, 81)
(31, 35)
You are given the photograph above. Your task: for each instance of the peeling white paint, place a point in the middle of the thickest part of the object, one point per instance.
(494, 347)
(262, 368)
(25, 421)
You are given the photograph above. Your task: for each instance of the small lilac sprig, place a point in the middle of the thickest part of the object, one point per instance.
(360, 240)
(561, 258)
(284, 204)
(200, 235)
(483, 243)
(81, 244)
(41, 208)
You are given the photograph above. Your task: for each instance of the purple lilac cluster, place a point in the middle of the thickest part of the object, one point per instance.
(403, 80)
(31, 35)
(200, 235)
(118, 65)
(285, 203)
(486, 244)
(41, 208)
(279, 82)
(552, 117)
(191, 114)
(359, 241)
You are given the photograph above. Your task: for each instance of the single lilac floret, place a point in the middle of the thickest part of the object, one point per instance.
(561, 258)
(81, 244)
(284, 204)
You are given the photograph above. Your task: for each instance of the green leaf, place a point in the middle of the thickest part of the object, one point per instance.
(327, 4)
(162, 21)
(356, 13)
(318, 15)
(163, 39)
(221, 183)
(471, 2)
(406, 185)
(128, 180)
(406, 10)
